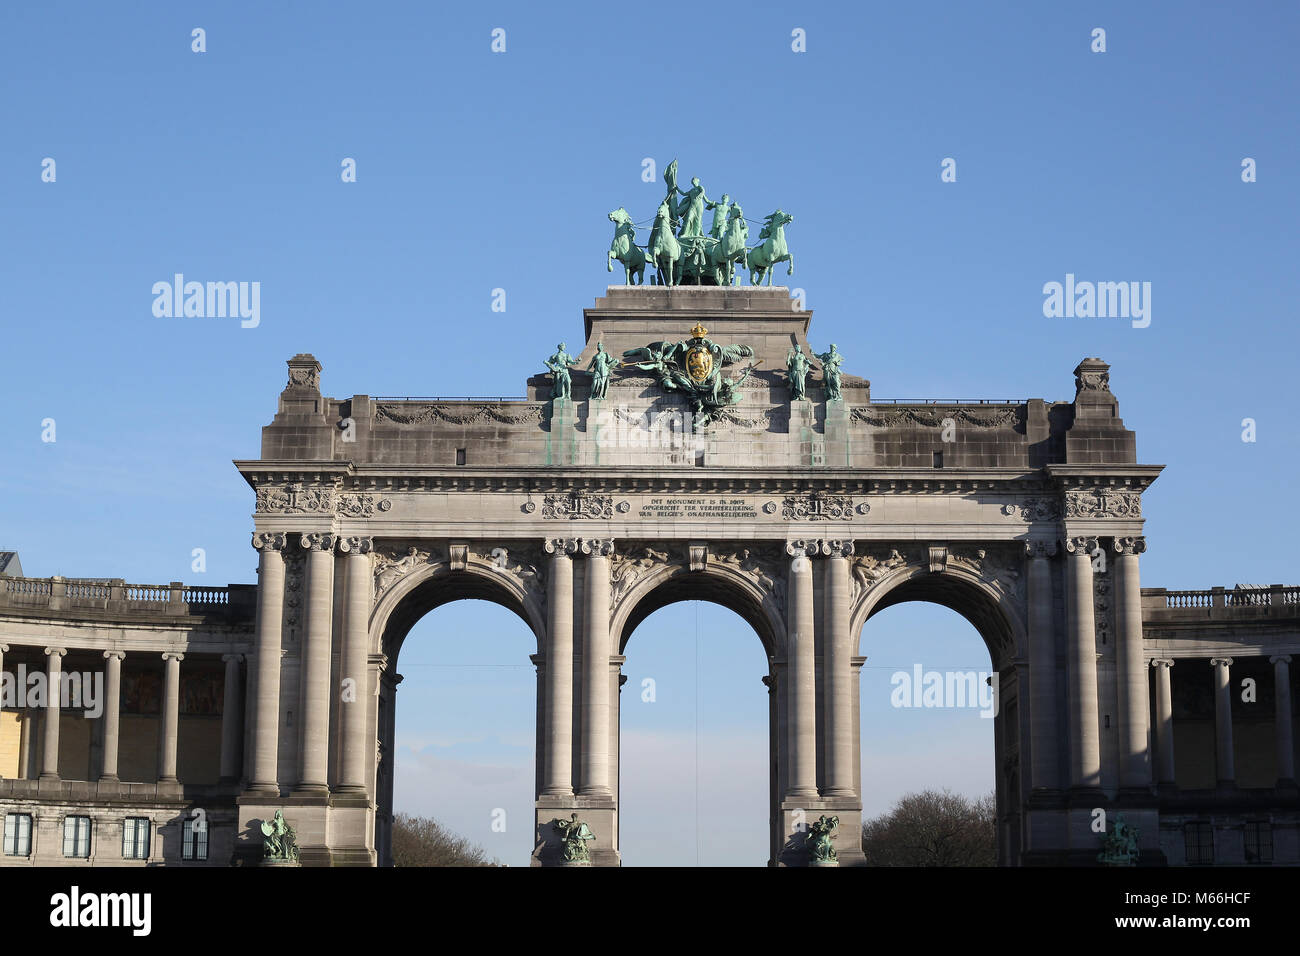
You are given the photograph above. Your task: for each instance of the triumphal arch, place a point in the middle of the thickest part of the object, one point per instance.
(688, 465)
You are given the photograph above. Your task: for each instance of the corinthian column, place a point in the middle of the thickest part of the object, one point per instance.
(1085, 744)
(557, 779)
(838, 671)
(355, 696)
(112, 713)
(801, 688)
(171, 711)
(313, 744)
(1164, 723)
(595, 669)
(1131, 669)
(270, 619)
(1282, 720)
(1223, 756)
(1045, 771)
(53, 698)
(231, 725)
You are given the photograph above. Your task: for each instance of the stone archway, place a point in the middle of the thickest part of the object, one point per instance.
(745, 580)
(987, 587)
(410, 581)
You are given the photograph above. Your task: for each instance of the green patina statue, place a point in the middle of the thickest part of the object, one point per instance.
(280, 843)
(1119, 847)
(681, 252)
(831, 362)
(771, 250)
(820, 834)
(559, 364)
(720, 210)
(624, 248)
(692, 209)
(574, 835)
(599, 367)
(797, 364)
(694, 368)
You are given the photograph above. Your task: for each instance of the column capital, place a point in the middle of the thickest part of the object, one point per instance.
(1280, 659)
(560, 545)
(4, 648)
(317, 541)
(800, 548)
(1162, 662)
(837, 548)
(232, 658)
(55, 651)
(1081, 545)
(1040, 549)
(114, 655)
(269, 540)
(1225, 661)
(1129, 545)
(356, 544)
(598, 547)
(176, 656)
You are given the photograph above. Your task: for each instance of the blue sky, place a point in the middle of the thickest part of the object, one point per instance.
(480, 170)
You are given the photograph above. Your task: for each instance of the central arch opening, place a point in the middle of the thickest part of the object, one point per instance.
(695, 723)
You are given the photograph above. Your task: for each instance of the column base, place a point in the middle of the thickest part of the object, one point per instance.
(262, 790)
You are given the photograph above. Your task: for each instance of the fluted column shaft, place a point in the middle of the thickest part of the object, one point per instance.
(801, 690)
(171, 710)
(313, 744)
(231, 725)
(355, 696)
(838, 671)
(270, 619)
(1085, 743)
(1131, 669)
(53, 687)
(1282, 726)
(1223, 756)
(1164, 722)
(1045, 771)
(112, 713)
(558, 675)
(595, 670)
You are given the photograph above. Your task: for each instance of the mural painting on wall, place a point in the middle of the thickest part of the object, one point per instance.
(141, 692)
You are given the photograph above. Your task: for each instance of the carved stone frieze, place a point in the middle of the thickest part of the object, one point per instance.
(870, 567)
(362, 506)
(1003, 569)
(390, 566)
(630, 564)
(1035, 509)
(295, 498)
(935, 417)
(578, 504)
(817, 507)
(765, 565)
(459, 414)
(1103, 503)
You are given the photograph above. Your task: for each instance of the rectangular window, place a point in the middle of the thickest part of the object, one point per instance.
(76, 837)
(18, 834)
(1198, 842)
(194, 838)
(460, 456)
(938, 459)
(1259, 842)
(135, 838)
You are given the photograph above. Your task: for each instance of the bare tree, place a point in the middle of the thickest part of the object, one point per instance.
(934, 828)
(423, 841)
